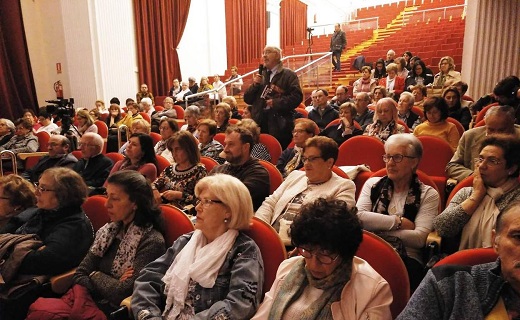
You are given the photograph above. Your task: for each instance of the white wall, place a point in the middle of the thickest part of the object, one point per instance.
(273, 32)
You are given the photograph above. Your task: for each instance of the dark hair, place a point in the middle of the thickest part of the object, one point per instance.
(129, 101)
(42, 112)
(245, 135)
(330, 225)
(436, 102)
(147, 148)
(24, 122)
(115, 100)
(458, 104)
(69, 187)
(140, 192)
(325, 92)
(188, 143)
(420, 63)
(510, 145)
(507, 87)
(31, 111)
(328, 147)
(515, 204)
(380, 74)
(172, 123)
(211, 124)
(310, 126)
(408, 53)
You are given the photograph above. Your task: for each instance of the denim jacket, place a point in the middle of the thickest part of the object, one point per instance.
(236, 294)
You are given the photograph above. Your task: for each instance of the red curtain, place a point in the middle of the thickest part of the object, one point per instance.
(159, 28)
(17, 90)
(246, 30)
(293, 23)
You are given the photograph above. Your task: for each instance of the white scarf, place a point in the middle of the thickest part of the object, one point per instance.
(198, 261)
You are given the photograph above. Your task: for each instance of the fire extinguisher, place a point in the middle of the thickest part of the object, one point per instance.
(58, 88)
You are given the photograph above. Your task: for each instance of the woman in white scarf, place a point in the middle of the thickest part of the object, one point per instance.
(214, 272)
(473, 210)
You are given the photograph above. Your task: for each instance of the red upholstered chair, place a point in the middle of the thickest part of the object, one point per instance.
(158, 108)
(470, 257)
(481, 123)
(271, 247)
(176, 223)
(482, 113)
(208, 162)
(467, 182)
(102, 128)
(339, 172)
(159, 101)
(467, 98)
(77, 154)
(273, 146)
(162, 163)
(362, 150)
(95, 210)
(418, 112)
(302, 111)
(155, 137)
(146, 117)
(180, 111)
(233, 121)
(406, 129)
(460, 127)
(385, 260)
(275, 177)
(43, 141)
(114, 156)
(220, 137)
(333, 123)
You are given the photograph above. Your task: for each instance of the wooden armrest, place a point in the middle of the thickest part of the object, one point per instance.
(25, 155)
(62, 282)
(433, 237)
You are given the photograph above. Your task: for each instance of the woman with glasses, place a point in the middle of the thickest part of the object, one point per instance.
(85, 123)
(167, 127)
(447, 75)
(398, 206)
(215, 272)
(346, 128)
(385, 120)
(471, 214)
(300, 187)
(326, 280)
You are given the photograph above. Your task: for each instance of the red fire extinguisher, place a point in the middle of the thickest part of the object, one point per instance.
(58, 88)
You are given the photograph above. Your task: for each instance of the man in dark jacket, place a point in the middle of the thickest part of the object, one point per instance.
(338, 42)
(94, 167)
(274, 95)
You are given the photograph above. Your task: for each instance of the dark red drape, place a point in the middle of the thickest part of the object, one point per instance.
(293, 23)
(159, 28)
(246, 30)
(17, 90)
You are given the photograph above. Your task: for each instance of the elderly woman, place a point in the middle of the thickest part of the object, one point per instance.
(404, 111)
(385, 120)
(419, 95)
(326, 280)
(418, 76)
(291, 158)
(191, 116)
(85, 123)
(402, 71)
(234, 107)
(447, 75)
(167, 127)
(204, 85)
(472, 212)
(179, 97)
(176, 184)
(23, 141)
(379, 71)
(7, 129)
(120, 250)
(59, 222)
(168, 112)
(214, 272)
(222, 116)
(31, 117)
(208, 146)
(393, 83)
(140, 156)
(132, 114)
(399, 205)
(456, 110)
(138, 126)
(16, 195)
(300, 187)
(378, 93)
(436, 113)
(365, 83)
(259, 150)
(345, 129)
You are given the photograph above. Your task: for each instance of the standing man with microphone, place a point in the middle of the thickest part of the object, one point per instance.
(274, 95)
(338, 42)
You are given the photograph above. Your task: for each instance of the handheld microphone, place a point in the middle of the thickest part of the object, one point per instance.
(261, 69)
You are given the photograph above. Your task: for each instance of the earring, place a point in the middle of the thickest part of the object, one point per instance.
(226, 220)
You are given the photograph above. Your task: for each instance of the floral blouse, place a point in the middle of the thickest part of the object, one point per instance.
(173, 179)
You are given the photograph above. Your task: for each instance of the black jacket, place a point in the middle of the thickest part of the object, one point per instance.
(94, 170)
(66, 160)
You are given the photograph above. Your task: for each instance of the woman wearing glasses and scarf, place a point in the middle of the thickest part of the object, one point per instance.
(398, 206)
(326, 280)
(215, 272)
(471, 214)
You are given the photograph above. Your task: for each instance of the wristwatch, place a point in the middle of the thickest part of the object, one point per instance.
(399, 223)
(144, 314)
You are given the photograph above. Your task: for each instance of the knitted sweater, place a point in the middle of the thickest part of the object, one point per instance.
(445, 130)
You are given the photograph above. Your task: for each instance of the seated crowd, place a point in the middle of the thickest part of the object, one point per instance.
(217, 271)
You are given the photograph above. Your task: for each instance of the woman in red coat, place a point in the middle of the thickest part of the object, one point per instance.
(393, 83)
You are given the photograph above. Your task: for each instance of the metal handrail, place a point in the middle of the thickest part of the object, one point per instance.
(13, 161)
(119, 130)
(325, 55)
(425, 11)
(353, 21)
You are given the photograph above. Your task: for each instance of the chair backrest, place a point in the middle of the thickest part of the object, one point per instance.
(162, 163)
(482, 113)
(155, 137)
(43, 140)
(467, 98)
(176, 223)
(418, 112)
(406, 129)
(436, 155)
(96, 211)
(271, 247)
(481, 123)
(146, 116)
(273, 146)
(179, 110)
(302, 111)
(114, 156)
(220, 137)
(208, 162)
(31, 162)
(470, 257)
(340, 172)
(275, 177)
(362, 150)
(77, 154)
(333, 123)
(467, 182)
(385, 260)
(460, 127)
(102, 128)
(158, 108)
(159, 101)
(233, 121)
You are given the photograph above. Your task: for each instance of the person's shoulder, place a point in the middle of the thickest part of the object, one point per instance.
(363, 269)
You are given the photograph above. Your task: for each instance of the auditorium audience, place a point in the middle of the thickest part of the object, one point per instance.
(291, 158)
(456, 110)
(31, 117)
(143, 93)
(7, 130)
(447, 75)
(16, 195)
(378, 94)
(300, 187)
(167, 128)
(168, 112)
(366, 83)
(93, 167)
(392, 82)
(23, 141)
(379, 71)
(222, 115)
(234, 107)
(179, 97)
(191, 116)
(346, 128)
(176, 184)
(96, 115)
(340, 98)
(215, 272)
(204, 85)
(401, 67)
(236, 87)
(176, 88)
(420, 75)
(100, 107)
(138, 126)
(385, 120)
(405, 113)
(419, 94)
(45, 119)
(259, 150)
(399, 207)
(131, 115)
(208, 146)
(114, 116)
(471, 214)
(85, 123)
(322, 113)
(436, 113)
(219, 86)
(390, 56)
(504, 92)
(121, 249)
(407, 55)
(326, 280)
(192, 84)
(365, 116)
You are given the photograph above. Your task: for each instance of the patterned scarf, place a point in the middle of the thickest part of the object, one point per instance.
(381, 132)
(160, 147)
(298, 279)
(294, 162)
(381, 195)
(127, 249)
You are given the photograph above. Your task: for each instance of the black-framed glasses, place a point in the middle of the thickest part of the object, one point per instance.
(310, 159)
(396, 157)
(207, 202)
(322, 258)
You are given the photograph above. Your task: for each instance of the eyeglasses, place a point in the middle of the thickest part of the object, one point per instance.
(491, 161)
(322, 258)
(42, 189)
(207, 202)
(396, 157)
(310, 159)
(299, 131)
